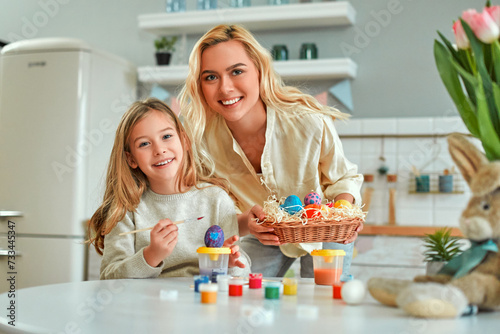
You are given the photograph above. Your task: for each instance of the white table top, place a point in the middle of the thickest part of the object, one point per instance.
(134, 306)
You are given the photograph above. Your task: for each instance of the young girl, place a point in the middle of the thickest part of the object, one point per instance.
(264, 138)
(152, 181)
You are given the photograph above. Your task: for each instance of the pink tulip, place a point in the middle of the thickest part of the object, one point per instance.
(482, 24)
(494, 12)
(460, 36)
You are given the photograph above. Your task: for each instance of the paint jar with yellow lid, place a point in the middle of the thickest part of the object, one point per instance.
(213, 261)
(327, 265)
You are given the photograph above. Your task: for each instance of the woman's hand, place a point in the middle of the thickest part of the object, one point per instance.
(163, 240)
(250, 218)
(235, 254)
(351, 239)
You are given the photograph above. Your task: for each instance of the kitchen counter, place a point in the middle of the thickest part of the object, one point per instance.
(135, 306)
(410, 231)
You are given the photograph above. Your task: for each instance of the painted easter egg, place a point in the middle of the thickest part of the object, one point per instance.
(312, 198)
(342, 203)
(292, 204)
(313, 210)
(214, 237)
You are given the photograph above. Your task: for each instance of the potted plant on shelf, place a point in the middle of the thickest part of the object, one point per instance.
(441, 247)
(164, 48)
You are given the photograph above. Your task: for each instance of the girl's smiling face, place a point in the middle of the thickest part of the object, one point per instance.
(230, 81)
(156, 148)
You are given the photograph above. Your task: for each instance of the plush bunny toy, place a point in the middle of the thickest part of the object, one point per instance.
(474, 278)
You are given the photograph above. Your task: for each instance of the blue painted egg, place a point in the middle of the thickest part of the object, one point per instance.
(312, 198)
(292, 204)
(214, 237)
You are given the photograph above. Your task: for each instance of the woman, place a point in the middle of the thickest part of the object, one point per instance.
(265, 138)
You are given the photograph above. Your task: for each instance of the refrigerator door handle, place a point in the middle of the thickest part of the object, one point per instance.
(5, 252)
(6, 213)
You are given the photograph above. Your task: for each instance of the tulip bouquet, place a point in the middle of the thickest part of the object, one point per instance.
(470, 70)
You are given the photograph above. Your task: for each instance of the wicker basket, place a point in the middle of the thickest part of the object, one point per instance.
(314, 230)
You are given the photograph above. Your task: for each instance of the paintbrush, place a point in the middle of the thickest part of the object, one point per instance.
(150, 228)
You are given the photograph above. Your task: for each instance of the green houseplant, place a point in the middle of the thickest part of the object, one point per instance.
(164, 48)
(440, 247)
(470, 71)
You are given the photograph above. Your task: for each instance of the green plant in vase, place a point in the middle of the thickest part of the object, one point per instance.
(164, 49)
(470, 70)
(440, 247)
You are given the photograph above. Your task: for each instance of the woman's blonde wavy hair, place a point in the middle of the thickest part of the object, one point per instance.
(125, 185)
(273, 92)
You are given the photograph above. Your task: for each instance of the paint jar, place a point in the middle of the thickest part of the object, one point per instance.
(255, 280)
(272, 290)
(289, 286)
(213, 261)
(223, 282)
(337, 288)
(327, 265)
(208, 293)
(235, 287)
(200, 279)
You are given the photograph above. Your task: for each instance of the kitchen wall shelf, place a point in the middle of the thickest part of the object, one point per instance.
(317, 69)
(433, 187)
(295, 16)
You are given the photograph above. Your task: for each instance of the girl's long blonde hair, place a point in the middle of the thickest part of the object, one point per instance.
(273, 92)
(125, 185)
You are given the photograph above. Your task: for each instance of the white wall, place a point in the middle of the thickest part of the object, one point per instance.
(392, 43)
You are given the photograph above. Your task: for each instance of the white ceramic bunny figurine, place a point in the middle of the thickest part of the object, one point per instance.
(463, 282)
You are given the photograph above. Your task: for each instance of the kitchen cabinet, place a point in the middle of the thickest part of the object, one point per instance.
(290, 17)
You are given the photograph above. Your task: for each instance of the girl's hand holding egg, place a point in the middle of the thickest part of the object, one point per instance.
(163, 240)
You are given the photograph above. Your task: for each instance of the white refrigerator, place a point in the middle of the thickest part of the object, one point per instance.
(60, 103)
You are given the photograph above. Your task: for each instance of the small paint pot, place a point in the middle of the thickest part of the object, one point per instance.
(199, 279)
(236, 287)
(223, 282)
(255, 280)
(289, 286)
(272, 290)
(337, 288)
(208, 293)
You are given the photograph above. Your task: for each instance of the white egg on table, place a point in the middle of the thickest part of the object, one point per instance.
(353, 292)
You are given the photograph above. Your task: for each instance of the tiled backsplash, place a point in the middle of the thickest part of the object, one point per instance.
(375, 142)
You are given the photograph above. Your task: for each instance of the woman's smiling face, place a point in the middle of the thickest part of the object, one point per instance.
(230, 81)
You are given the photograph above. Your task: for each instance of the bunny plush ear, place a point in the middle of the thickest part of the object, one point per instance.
(466, 156)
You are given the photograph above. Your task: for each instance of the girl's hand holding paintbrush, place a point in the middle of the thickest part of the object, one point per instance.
(163, 240)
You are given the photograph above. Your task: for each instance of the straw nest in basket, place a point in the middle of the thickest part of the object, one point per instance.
(328, 224)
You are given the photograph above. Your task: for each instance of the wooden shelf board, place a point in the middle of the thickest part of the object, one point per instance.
(415, 231)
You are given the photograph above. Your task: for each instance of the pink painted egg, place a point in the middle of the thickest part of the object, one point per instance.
(312, 198)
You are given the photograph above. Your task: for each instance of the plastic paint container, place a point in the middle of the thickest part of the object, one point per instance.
(223, 282)
(255, 281)
(327, 265)
(337, 288)
(272, 290)
(199, 279)
(208, 293)
(213, 261)
(236, 287)
(290, 286)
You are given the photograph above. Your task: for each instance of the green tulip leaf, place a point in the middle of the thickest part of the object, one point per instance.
(488, 136)
(477, 48)
(451, 80)
(495, 54)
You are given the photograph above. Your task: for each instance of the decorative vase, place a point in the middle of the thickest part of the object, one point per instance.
(433, 267)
